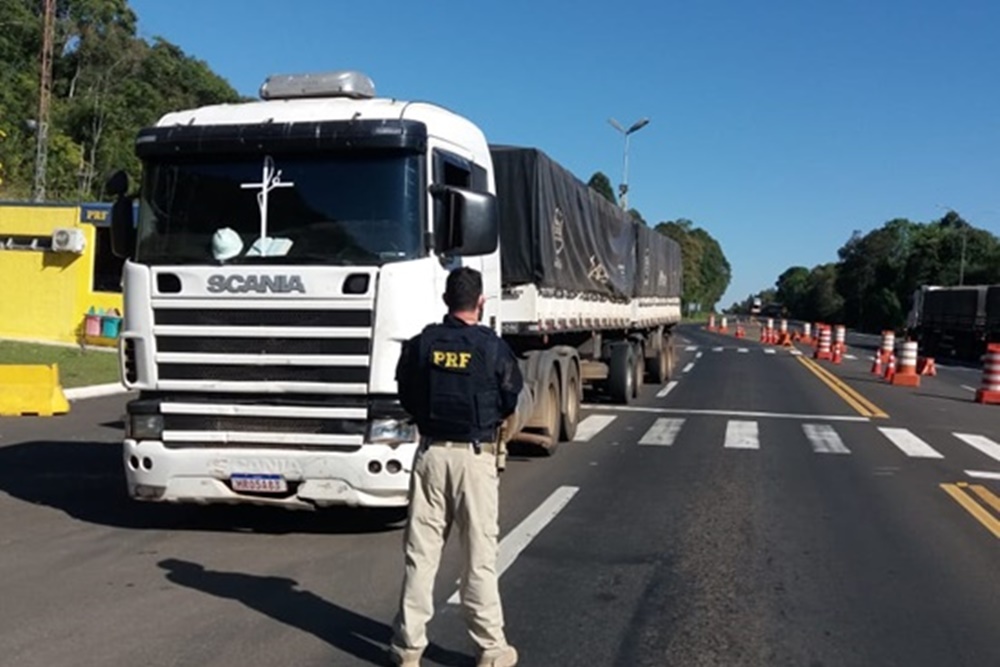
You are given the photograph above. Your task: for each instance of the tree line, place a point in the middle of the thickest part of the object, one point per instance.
(871, 286)
(107, 83)
(706, 271)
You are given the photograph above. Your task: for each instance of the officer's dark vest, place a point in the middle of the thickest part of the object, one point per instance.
(463, 401)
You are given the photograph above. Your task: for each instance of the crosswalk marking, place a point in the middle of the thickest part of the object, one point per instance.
(985, 445)
(981, 474)
(795, 353)
(716, 349)
(698, 356)
(742, 435)
(691, 348)
(743, 350)
(591, 426)
(667, 389)
(824, 439)
(663, 432)
(769, 350)
(687, 369)
(910, 444)
(851, 357)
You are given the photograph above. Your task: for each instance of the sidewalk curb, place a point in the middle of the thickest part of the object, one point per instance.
(94, 391)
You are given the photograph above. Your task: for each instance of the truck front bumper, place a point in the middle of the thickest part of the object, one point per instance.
(367, 477)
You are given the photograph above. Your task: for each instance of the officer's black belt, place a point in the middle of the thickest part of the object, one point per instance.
(487, 447)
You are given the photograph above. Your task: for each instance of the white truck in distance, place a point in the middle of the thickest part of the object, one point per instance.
(285, 248)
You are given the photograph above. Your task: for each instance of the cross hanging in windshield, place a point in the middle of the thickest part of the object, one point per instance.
(269, 180)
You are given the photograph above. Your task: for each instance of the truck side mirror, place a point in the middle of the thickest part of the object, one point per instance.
(123, 236)
(470, 222)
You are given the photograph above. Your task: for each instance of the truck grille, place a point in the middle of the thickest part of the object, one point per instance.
(327, 348)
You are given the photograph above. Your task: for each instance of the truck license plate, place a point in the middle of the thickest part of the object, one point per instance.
(258, 483)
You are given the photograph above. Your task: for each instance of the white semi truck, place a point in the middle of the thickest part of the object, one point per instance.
(282, 251)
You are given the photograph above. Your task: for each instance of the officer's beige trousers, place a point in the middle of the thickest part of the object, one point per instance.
(451, 486)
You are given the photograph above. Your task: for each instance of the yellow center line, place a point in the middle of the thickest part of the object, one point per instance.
(973, 508)
(863, 406)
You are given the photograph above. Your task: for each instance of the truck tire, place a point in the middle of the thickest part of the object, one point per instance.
(658, 367)
(621, 372)
(640, 369)
(551, 414)
(571, 404)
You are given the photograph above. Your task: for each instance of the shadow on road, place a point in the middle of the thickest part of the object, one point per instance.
(280, 599)
(86, 481)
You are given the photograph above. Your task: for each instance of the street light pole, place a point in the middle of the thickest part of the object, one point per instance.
(627, 133)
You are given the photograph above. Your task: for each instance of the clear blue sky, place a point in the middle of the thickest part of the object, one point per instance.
(779, 125)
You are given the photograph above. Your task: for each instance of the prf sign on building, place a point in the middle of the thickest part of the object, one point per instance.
(55, 266)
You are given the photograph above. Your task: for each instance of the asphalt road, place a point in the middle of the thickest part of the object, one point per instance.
(746, 515)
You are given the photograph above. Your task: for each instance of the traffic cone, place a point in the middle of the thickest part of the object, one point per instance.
(837, 354)
(877, 364)
(890, 368)
(926, 366)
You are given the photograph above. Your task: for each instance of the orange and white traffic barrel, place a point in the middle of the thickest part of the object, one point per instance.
(725, 325)
(806, 332)
(888, 344)
(840, 338)
(711, 322)
(825, 343)
(989, 391)
(906, 374)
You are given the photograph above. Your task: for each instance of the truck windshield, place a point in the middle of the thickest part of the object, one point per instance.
(362, 209)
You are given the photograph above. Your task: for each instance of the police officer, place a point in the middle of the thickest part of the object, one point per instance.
(459, 381)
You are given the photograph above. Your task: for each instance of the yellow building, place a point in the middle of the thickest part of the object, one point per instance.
(55, 266)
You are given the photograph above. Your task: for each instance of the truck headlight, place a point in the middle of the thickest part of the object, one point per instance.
(145, 427)
(390, 432)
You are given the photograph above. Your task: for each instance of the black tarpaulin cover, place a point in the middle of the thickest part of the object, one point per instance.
(658, 264)
(558, 233)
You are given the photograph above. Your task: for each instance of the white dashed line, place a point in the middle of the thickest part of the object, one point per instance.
(687, 369)
(667, 389)
(591, 426)
(663, 432)
(742, 435)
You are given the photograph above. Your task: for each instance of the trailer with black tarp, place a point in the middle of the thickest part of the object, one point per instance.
(579, 272)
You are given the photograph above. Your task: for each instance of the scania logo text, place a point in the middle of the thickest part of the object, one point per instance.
(237, 284)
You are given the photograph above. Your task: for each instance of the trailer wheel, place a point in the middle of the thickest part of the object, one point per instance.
(552, 415)
(640, 369)
(621, 372)
(571, 410)
(658, 367)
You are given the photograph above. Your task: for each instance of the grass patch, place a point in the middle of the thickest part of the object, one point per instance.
(76, 367)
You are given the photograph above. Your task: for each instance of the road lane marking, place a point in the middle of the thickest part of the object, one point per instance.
(861, 404)
(769, 350)
(597, 407)
(687, 369)
(698, 356)
(743, 350)
(716, 349)
(850, 357)
(973, 508)
(667, 389)
(742, 435)
(518, 539)
(987, 496)
(691, 348)
(910, 444)
(591, 426)
(982, 474)
(824, 439)
(985, 445)
(968, 388)
(663, 432)
(795, 353)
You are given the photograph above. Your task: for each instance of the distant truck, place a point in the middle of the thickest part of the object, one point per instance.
(955, 321)
(755, 306)
(284, 249)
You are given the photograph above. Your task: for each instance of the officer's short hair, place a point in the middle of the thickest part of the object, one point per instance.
(463, 289)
